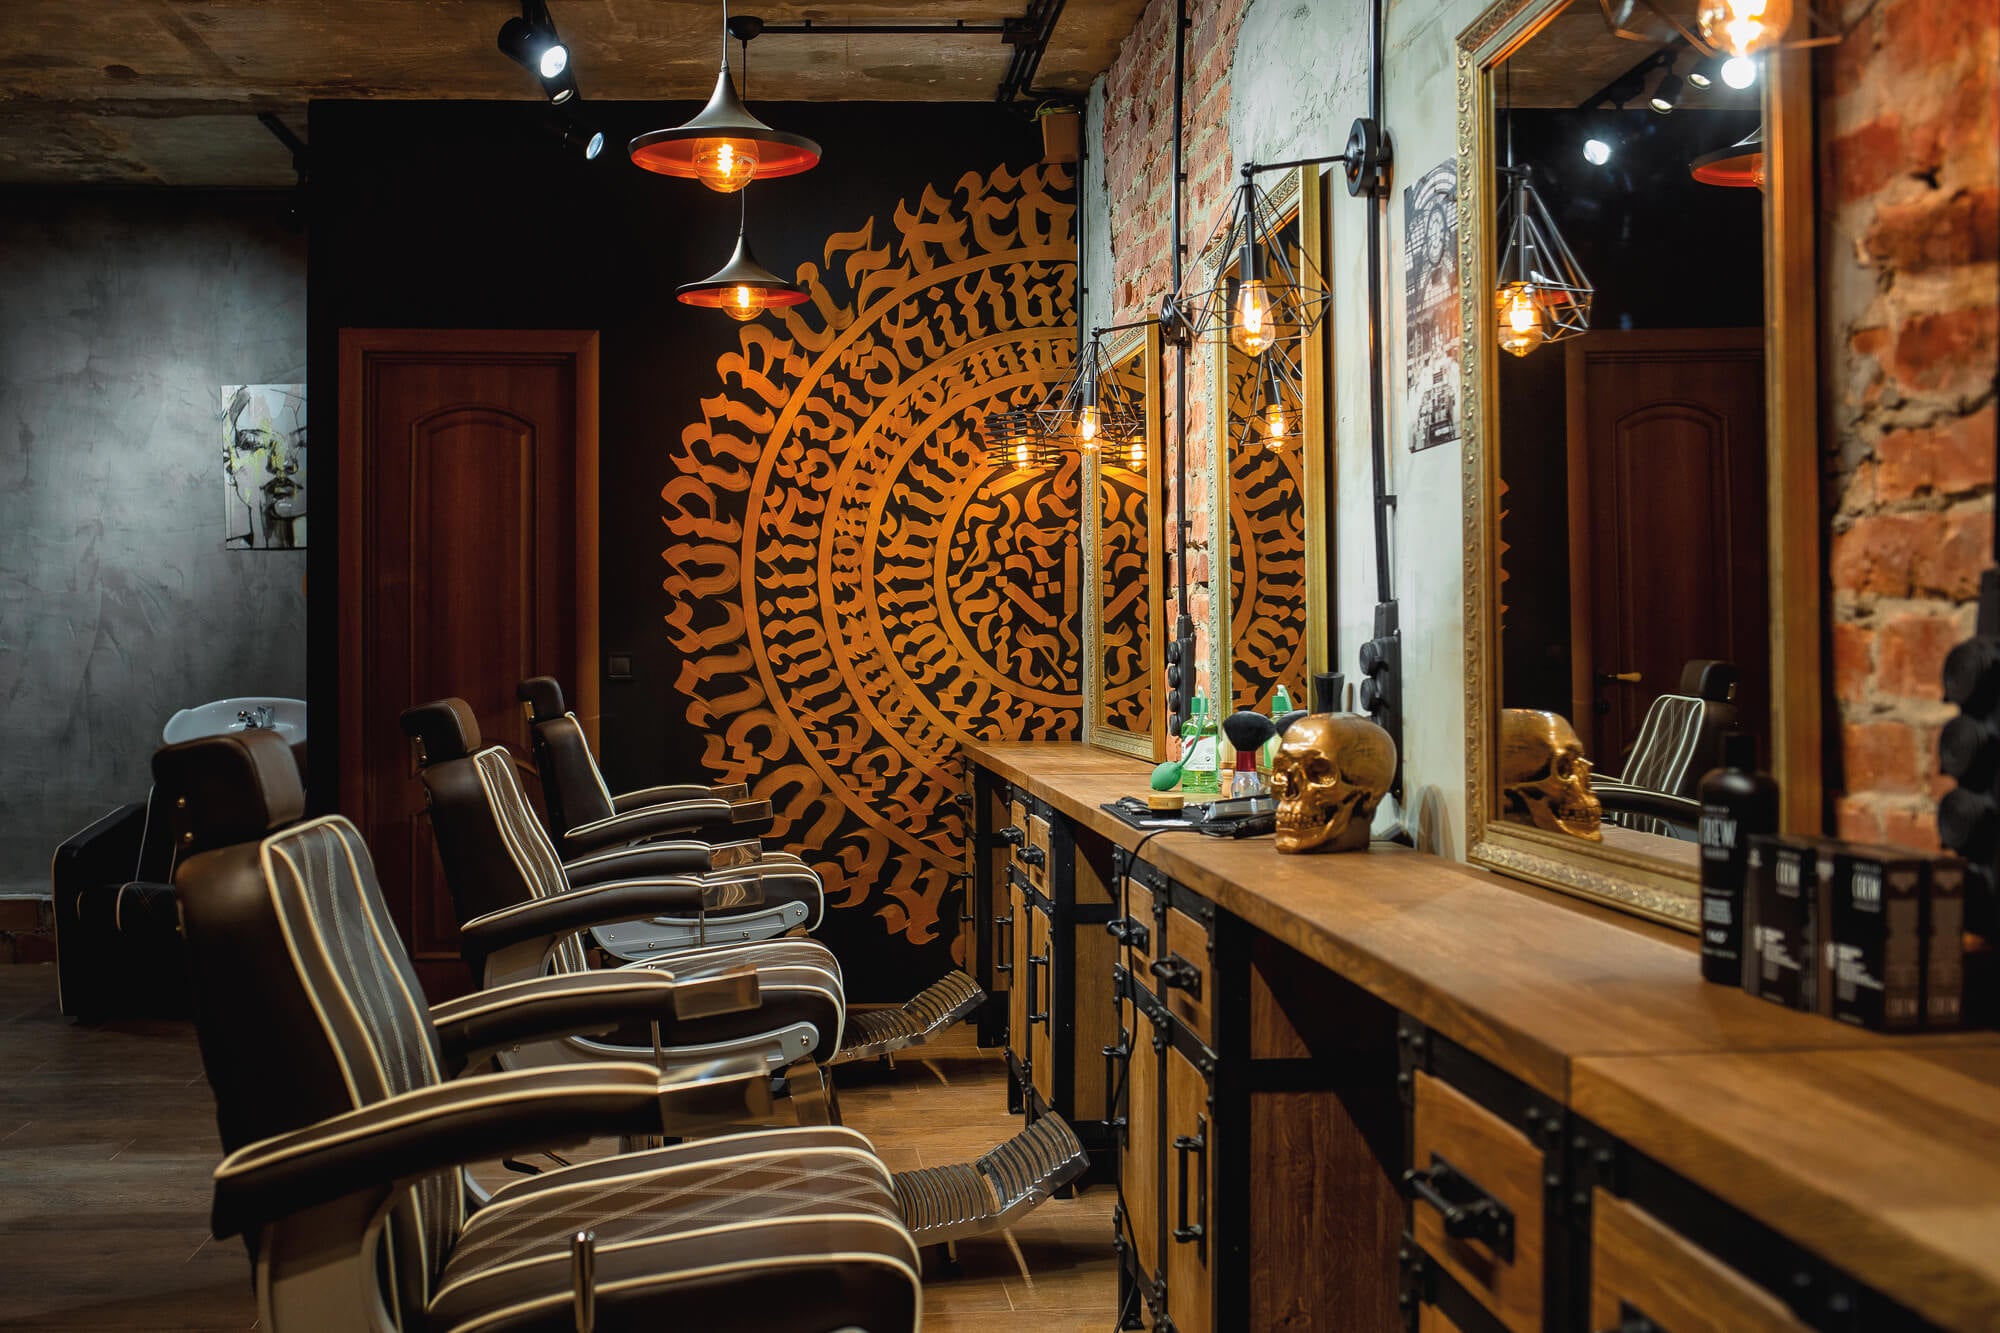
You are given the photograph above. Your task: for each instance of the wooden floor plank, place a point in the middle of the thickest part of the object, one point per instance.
(107, 1141)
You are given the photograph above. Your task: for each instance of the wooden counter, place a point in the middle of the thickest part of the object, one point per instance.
(1884, 1163)
(1879, 1153)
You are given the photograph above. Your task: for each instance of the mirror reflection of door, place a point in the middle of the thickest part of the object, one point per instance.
(1632, 450)
(1125, 577)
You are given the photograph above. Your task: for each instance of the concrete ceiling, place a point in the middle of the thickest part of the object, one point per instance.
(166, 92)
(1578, 53)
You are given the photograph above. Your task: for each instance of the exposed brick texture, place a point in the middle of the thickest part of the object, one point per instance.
(1909, 117)
(1138, 173)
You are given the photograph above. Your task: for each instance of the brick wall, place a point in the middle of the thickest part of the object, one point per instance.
(1909, 120)
(1138, 173)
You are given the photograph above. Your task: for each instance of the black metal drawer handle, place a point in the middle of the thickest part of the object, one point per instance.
(1177, 973)
(1127, 930)
(1469, 1212)
(1004, 924)
(1035, 961)
(1011, 836)
(1195, 1145)
(1114, 1083)
(1033, 856)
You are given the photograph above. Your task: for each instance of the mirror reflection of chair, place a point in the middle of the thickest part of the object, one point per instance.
(1679, 740)
(346, 1142)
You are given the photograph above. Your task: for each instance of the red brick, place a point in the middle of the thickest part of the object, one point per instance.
(1863, 160)
(1948, 458)
(1853, 660)
(1880, 757)
(1877, 553)
(1911, 828)
(1946, 349)
(1962, 549)
(1910, 654)
(1857, 820)
(1936, 230)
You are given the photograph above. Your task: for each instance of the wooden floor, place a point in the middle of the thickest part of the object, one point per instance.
(107, 1138)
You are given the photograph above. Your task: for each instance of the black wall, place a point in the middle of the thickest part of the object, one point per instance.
(470, 215)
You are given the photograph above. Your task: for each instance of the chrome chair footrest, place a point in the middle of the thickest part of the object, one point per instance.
(877, 1032)
(941, 1204)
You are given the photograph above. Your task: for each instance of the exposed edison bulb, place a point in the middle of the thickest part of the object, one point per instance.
(1521, 329)
(1277, 424)
(725, 165)
(1744, 27)
(1021, 455)
(1251, 331)
(1739, 72)
(1086, 426)
(743, 303)
(1135, 452)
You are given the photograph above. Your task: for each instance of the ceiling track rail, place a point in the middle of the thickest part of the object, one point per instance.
(1028, 36)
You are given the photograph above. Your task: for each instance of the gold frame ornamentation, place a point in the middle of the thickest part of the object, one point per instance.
(1119, 348)
(1300, 191)
(1616, 873)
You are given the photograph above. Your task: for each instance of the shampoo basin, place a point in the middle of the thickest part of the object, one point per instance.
(288, 719)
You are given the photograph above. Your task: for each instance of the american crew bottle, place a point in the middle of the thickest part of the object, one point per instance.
(1736, 803)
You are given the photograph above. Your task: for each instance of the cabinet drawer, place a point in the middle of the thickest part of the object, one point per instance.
(1034, 853)
(1641, 1267)
(1140, 949)
(1490, 1175)
(1186, 986)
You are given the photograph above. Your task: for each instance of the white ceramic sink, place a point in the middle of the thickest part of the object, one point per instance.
(288, 719)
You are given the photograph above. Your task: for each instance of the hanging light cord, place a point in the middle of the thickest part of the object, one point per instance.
(725, 34)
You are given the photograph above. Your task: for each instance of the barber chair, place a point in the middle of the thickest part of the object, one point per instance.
(347, 1145)
(501, 867)
(1679, 740)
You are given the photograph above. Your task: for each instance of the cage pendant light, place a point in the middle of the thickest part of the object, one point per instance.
(1015, 439)
(1542, 295)
(725, 147)
(1094, 409)
(1274, 297)
(1266, 412)
(743, 288)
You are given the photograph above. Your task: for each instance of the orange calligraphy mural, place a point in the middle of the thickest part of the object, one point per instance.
(853, 590)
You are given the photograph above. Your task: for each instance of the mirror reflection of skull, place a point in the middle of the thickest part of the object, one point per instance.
(1544, 778)
(1329, 775)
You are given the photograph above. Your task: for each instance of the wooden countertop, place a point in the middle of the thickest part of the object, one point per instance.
(1763, 1106)
(1884, 1163)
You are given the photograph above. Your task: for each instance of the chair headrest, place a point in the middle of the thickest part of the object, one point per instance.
(445, 728)
(229, 789)
(544, 697)
(1706, 678)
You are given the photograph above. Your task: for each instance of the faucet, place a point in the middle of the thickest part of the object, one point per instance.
(251, 719)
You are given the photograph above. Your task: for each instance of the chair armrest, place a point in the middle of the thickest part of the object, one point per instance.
(436, 1128)
(626, 802)
(587, 1003)
(1630, 799)
(650, 860)
(675, 817)
(604, 905)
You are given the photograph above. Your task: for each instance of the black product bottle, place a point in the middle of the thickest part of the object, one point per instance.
(1736, 802)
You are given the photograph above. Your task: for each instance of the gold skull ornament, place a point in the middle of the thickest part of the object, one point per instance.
(1544, 778)
(1329, 775)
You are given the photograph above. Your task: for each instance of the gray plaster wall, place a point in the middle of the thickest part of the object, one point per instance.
(120, 315)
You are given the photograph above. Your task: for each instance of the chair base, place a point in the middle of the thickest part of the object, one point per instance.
(944, 1204)
(878, 1032)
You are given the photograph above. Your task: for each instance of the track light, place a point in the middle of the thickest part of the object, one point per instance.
(578, 135)
(1596, 152)
(1667, 94)
(531, 42)
(1699, 81)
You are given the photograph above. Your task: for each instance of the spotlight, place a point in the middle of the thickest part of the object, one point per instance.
(1739, 71)
(531, 42)
(1699, 81)
(577, 135)
(1596, 152)
(1667, 94)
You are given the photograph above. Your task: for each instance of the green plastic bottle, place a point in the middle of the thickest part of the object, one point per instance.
(1281, 704)
(1202, 770)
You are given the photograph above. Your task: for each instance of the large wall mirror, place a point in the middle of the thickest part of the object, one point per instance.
(1124, 562)
(1641, 535)
(1269, 621)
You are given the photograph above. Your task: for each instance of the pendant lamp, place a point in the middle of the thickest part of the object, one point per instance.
(743, 288)
(725, 147)
(1015, 439)
(1265, 414)
(1272, 297)
(1094, 410)
(1739, 166)
(1540, 293)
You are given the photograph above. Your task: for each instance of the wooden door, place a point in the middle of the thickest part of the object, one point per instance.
(1139, 1155)
(1189, 1141)
(468, 563)
(1667, 524)
(1041, 1015)
(1021, 979)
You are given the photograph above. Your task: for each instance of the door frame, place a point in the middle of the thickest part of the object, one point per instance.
(1611, 344)
(356, 452)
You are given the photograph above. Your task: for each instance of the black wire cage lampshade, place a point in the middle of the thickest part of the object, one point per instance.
(1094, 410)
(1016, 439)
(1273, 294)
(1540, 292)
(724, 146)
(1266, 408)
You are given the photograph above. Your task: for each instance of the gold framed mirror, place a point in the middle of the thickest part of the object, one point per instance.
(1268, 621)
(1124, 558)
(1640, 443)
